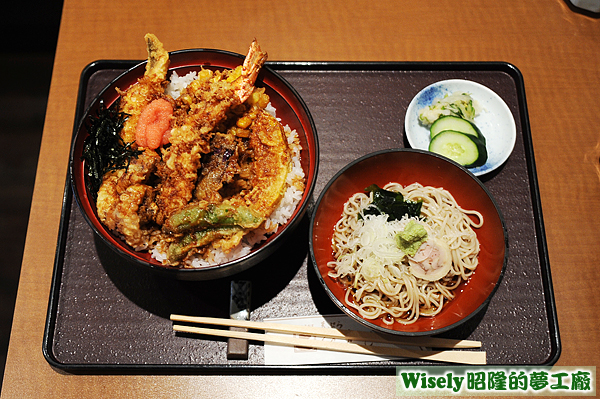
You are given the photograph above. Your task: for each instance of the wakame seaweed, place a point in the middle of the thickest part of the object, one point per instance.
(104, 149)
(392, 204)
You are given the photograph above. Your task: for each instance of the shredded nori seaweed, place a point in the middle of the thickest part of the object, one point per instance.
(392, 204)
(104, 149)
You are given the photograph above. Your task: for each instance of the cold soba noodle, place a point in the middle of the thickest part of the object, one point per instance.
(385, 279)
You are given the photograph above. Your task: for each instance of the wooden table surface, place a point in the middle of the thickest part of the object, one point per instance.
(556, 49)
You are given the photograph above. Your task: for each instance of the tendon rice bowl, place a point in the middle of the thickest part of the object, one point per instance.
(213, 192)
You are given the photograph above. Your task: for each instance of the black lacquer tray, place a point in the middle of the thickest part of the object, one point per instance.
(106, 316)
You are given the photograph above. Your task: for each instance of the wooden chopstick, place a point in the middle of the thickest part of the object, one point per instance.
(430, 342)
(463, 357)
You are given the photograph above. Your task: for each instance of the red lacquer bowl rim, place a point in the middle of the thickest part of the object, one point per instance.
(407, 166)
(291, 109)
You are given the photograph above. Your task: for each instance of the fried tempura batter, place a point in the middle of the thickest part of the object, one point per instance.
(149, 87)
(271, 164)
(220, 168)
(121, 199)
(271, 159)
(123, 192)
(201, 106)
(221, 172)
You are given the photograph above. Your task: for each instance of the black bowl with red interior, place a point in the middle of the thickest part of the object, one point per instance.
(291, 110)
(407, 166)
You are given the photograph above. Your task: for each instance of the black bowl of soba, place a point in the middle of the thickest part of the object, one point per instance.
(408, 242)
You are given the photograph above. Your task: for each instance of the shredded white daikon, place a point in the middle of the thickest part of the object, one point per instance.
(377, 251)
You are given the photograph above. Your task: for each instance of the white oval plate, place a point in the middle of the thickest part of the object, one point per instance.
(495, 120)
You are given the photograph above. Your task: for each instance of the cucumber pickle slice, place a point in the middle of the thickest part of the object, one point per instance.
(465, 149)
(451, 122)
